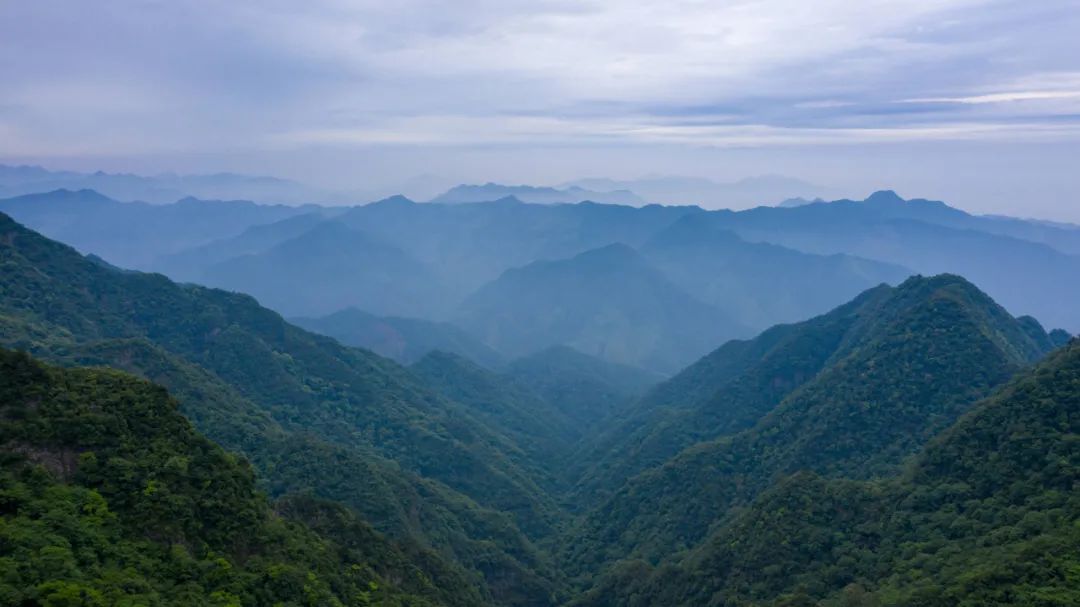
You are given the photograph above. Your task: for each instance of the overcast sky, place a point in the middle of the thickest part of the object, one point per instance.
(976, 102)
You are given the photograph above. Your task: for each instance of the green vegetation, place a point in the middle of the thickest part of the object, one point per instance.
(109, 497)
(255, 382)
(987, 514)
(899, 450)
(929, 349)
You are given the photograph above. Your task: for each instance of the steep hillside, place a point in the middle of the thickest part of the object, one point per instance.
(538, 428)
(608, 302)
(930, 349)
(586, 389)
(110, 497)
(405, 340)
(986, 514)
(358, 408)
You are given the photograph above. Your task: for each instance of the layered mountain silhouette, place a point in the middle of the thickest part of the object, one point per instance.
(608, 302)
(539, 195)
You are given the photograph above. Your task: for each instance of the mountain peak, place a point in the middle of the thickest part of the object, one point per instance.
(884, 197)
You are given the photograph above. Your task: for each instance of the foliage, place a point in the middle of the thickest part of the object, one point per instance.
(109, 497)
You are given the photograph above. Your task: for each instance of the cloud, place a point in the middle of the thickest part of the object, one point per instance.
(120, 75)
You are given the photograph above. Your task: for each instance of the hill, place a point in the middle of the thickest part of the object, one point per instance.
(1030, 268)
(915, 358)
(537, 195)
(587, 390)
(112, 498)
(405, 340)
(328, 268)
(134, 234)
(310, 413)
(608, 302)
(760, 284)
(986, 514)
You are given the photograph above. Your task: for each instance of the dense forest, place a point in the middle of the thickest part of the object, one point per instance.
(172, 444)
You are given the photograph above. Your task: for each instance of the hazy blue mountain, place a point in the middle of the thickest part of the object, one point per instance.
(906, 363)
(536, 195)
(472, 244)
(760, 284)
(607, 302)
(134, 234)
(191, 263)
(162, 188)
(405, 340)
(749, 191)
(1025, 276)
(328, 268)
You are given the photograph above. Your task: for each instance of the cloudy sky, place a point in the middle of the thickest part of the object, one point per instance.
(973, 101)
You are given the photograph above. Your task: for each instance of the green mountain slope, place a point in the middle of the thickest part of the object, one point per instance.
(586, 389)
(987, 514)
(931, 348)
(405, 340)
(539, 429)
(354, 404)
(110, 497)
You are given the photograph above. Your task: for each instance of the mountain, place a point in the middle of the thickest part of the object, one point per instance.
(985, 514)
(328, 268)
(608, 302)
(190, 264)
(111, 497)
(759, 284)
(855, 393)
(1029, 270)
(163, 188)
(134, 234)
(541, 430)
(405, 340)
(536, 195)
(587, 390)
(710, 194)
(312, 415)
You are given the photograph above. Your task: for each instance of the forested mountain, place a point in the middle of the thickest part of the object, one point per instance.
(405, 340)
(608, 302)
(111, 498)
(907, 362)
(868, 455)
(588, 390)
(310, 413)
(988, 513)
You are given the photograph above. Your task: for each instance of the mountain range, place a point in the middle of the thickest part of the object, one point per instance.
(914, 445)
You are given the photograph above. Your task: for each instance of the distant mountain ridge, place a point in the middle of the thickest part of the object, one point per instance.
(536, 195)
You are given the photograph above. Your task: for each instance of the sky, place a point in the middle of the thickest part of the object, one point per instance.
(976, 102)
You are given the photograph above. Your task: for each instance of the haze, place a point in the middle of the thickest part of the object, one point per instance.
(972, 102)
